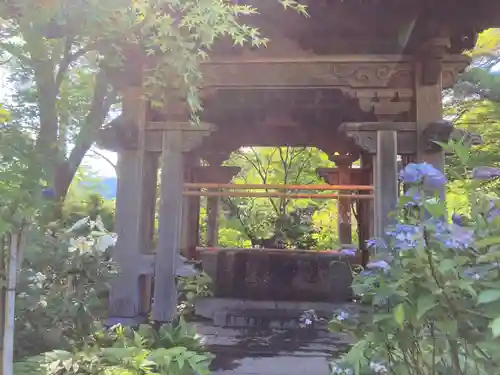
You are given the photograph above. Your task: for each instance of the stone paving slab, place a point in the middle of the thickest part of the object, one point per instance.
(281, 365)
(257, 349)
(270, 352)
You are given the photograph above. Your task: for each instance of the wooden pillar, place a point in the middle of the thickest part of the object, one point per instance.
(135, 206)
(380, 139)
(213, 204)
(386, 180)
(193, 224)
(428, 100)
(170, 218)
(214, 175)
(365, 209)
(191, 208)
(344, 163)
(177, 139)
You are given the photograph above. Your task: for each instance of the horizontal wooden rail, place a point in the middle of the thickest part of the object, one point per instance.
(273, 194)
(195, 185)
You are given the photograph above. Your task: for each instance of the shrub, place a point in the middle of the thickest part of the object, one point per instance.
(431, 295)
(62, 287)
(172, 350)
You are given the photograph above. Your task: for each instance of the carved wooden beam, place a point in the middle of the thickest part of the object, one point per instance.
(357, 71)
(365, 135)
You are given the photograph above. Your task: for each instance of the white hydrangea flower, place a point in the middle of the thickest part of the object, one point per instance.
(378, 368)
(338, 370)
(99, 224)
(104, 242)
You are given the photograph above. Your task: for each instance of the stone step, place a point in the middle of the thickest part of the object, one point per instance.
(226, 312)
(251, 342)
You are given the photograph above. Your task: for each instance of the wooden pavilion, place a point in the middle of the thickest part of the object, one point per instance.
(359, 79)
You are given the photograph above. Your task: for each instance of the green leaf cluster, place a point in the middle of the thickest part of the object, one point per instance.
(172, 350)
(301, 223)
(434, 308)
(62, 286)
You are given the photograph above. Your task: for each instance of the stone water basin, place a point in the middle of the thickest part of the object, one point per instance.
(279, 274)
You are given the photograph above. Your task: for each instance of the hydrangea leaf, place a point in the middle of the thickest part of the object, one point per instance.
(489, 296)
(495, 327)
(424, 305)
(399, 314)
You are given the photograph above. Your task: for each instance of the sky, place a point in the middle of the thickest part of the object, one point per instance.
(99, 165)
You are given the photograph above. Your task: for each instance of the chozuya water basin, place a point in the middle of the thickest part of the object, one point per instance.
(277, 274)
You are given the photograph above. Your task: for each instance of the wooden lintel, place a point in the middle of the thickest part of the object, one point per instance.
(214, 174)
(179, 125)
(274, 194)
(343, 187)
(365, 71)
(374, 126)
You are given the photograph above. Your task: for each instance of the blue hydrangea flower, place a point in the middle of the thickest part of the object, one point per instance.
(422, 174)
(48, 193)
(477, 272)
(493, 212)
(405, 236)
(461, 237)
(342, 315)
(348, 252)
(450, 235)
(472, 273)
(379, 265)
(416, 198)
(307, 318)
(485, 173)
(367, 273)
(460, 242)
(458, 219)
(376, 244)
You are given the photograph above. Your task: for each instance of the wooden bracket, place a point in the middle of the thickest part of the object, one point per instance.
(437, 131)
(433, 53)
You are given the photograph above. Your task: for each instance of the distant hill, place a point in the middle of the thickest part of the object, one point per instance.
(105, 186)
(109, 187)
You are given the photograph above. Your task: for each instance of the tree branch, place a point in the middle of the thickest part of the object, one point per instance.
(236, 209)
(101, 103)
(14, 50)
(65, 61)
(69, 58)
(105, 159)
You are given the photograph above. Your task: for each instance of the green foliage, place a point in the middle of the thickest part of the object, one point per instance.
(473, 104)
(302, 223)
(430, 299)
(20, 191)
(62, 287)
(4, 115)
(63, 53)
(82, 201)
(191, 288)
(170, 350)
